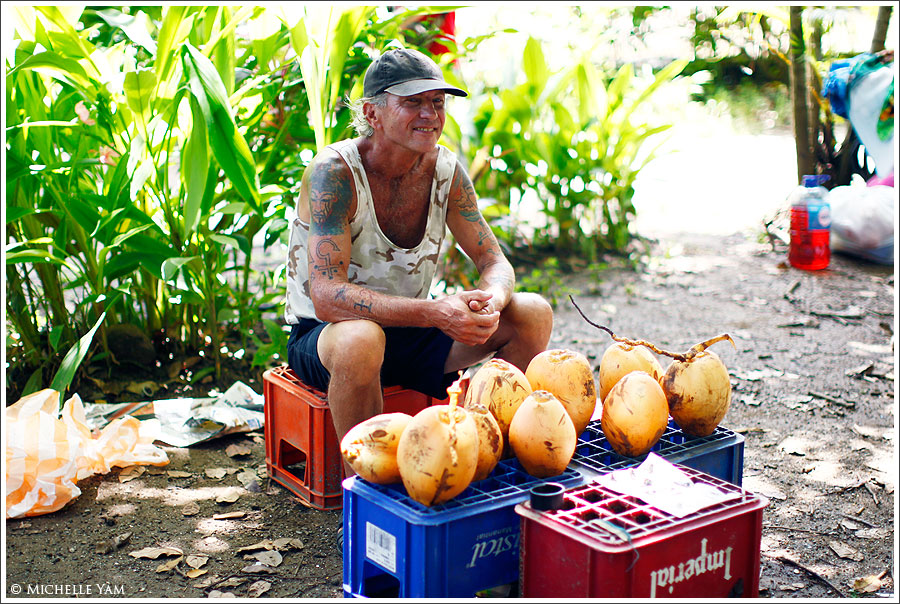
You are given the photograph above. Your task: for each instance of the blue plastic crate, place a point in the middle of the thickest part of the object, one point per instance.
(397, 547)
(721, 454)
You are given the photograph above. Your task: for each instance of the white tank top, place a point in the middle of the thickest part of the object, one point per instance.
(375, 261)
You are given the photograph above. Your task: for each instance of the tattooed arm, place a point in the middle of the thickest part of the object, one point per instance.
(328, 200)
(496, 275)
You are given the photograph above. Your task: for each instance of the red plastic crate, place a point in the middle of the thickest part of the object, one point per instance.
(302, 450)
(603, 544)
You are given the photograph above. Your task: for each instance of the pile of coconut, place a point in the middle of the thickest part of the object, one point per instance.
(537, 415)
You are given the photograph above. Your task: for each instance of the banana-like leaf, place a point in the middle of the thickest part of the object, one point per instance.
(73, 359)
(172, 266)
(139, 87)
(229, 147)
(535, 65)
(194, 170)
(61, 68)
(137, 27)
(176, 26)
(33, 257)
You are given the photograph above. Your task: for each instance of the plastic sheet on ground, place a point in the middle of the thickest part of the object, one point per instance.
(661, 484)
(48, 451)
(189, 421)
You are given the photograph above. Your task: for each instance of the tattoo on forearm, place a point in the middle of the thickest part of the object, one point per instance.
(363, 306)
(341, 295)
(324, 264)
(330, 194)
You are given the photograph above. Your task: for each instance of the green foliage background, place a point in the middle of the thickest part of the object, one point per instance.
(153, 154)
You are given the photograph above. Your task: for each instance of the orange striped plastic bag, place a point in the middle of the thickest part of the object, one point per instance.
(48, 451)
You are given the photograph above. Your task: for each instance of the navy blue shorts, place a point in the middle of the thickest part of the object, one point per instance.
(414, 358)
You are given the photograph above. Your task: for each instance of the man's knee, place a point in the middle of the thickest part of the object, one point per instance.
(354, 348)
(530, 311)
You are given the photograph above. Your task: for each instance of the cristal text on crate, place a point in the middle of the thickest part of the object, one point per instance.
(704, 563)
(494, 545)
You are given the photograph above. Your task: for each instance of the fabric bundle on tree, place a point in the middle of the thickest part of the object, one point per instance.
(861, 90)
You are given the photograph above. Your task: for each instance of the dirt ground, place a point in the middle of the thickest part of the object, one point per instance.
(813, 395)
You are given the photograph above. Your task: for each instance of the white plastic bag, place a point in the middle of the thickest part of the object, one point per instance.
(48, 450)
(862, 221)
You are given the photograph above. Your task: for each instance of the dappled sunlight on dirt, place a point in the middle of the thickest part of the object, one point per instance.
(136, 489)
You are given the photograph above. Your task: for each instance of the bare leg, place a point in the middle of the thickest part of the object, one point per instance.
(353, 352)
(525, 327)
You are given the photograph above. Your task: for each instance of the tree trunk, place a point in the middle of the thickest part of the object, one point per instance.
(881, 27)
(814, 85)
(805, 159)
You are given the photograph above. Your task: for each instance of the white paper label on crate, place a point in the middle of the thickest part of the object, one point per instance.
(381, 547)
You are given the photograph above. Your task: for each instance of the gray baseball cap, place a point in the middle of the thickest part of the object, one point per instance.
(404, 72)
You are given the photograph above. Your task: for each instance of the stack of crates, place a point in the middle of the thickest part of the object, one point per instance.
(721, 454)
(397, 547)
(302, 450)
(604, 544)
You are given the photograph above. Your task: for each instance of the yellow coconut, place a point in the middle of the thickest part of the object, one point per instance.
(490, 440)
(438, 453)
(542, 435)
(635, 414)
(698, 392)
(370, 447)
(620, 359)
(501, 387)
(568, 375)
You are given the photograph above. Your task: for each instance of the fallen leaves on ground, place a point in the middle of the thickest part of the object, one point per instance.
(237, 450)
(131, 472)
(111, 545)
(258, 589)
(169, 565)
(190, 509)
(156, 552)
(868, 584)
(845, 551)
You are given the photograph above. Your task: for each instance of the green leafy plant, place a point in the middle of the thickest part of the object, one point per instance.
(572, 141)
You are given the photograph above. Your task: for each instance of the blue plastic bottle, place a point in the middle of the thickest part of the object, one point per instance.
(810, 247)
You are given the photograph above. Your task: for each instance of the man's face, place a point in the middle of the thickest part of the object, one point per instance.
(414, 121)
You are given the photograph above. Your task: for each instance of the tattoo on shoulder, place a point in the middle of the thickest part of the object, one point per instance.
(330, 194)
(468, 206)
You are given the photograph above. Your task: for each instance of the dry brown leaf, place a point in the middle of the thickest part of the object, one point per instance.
(237, 449)
(155, 552)
(287, 543)
(178, 474)
(845, 551)
(233, 582)
(265, 544)
(110, 545)
(169, 565)
(221, 594)
(196, 561)
(190, 509)
(155, 470)
(229, 496)
(216, 473)
(195, 572)
(210, 580)
(868, 584)
(131, 472)
(229, 515)
(268, 557)
(258, 589)
(258, 568)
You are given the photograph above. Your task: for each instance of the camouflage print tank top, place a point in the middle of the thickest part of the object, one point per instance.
(375, 262)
